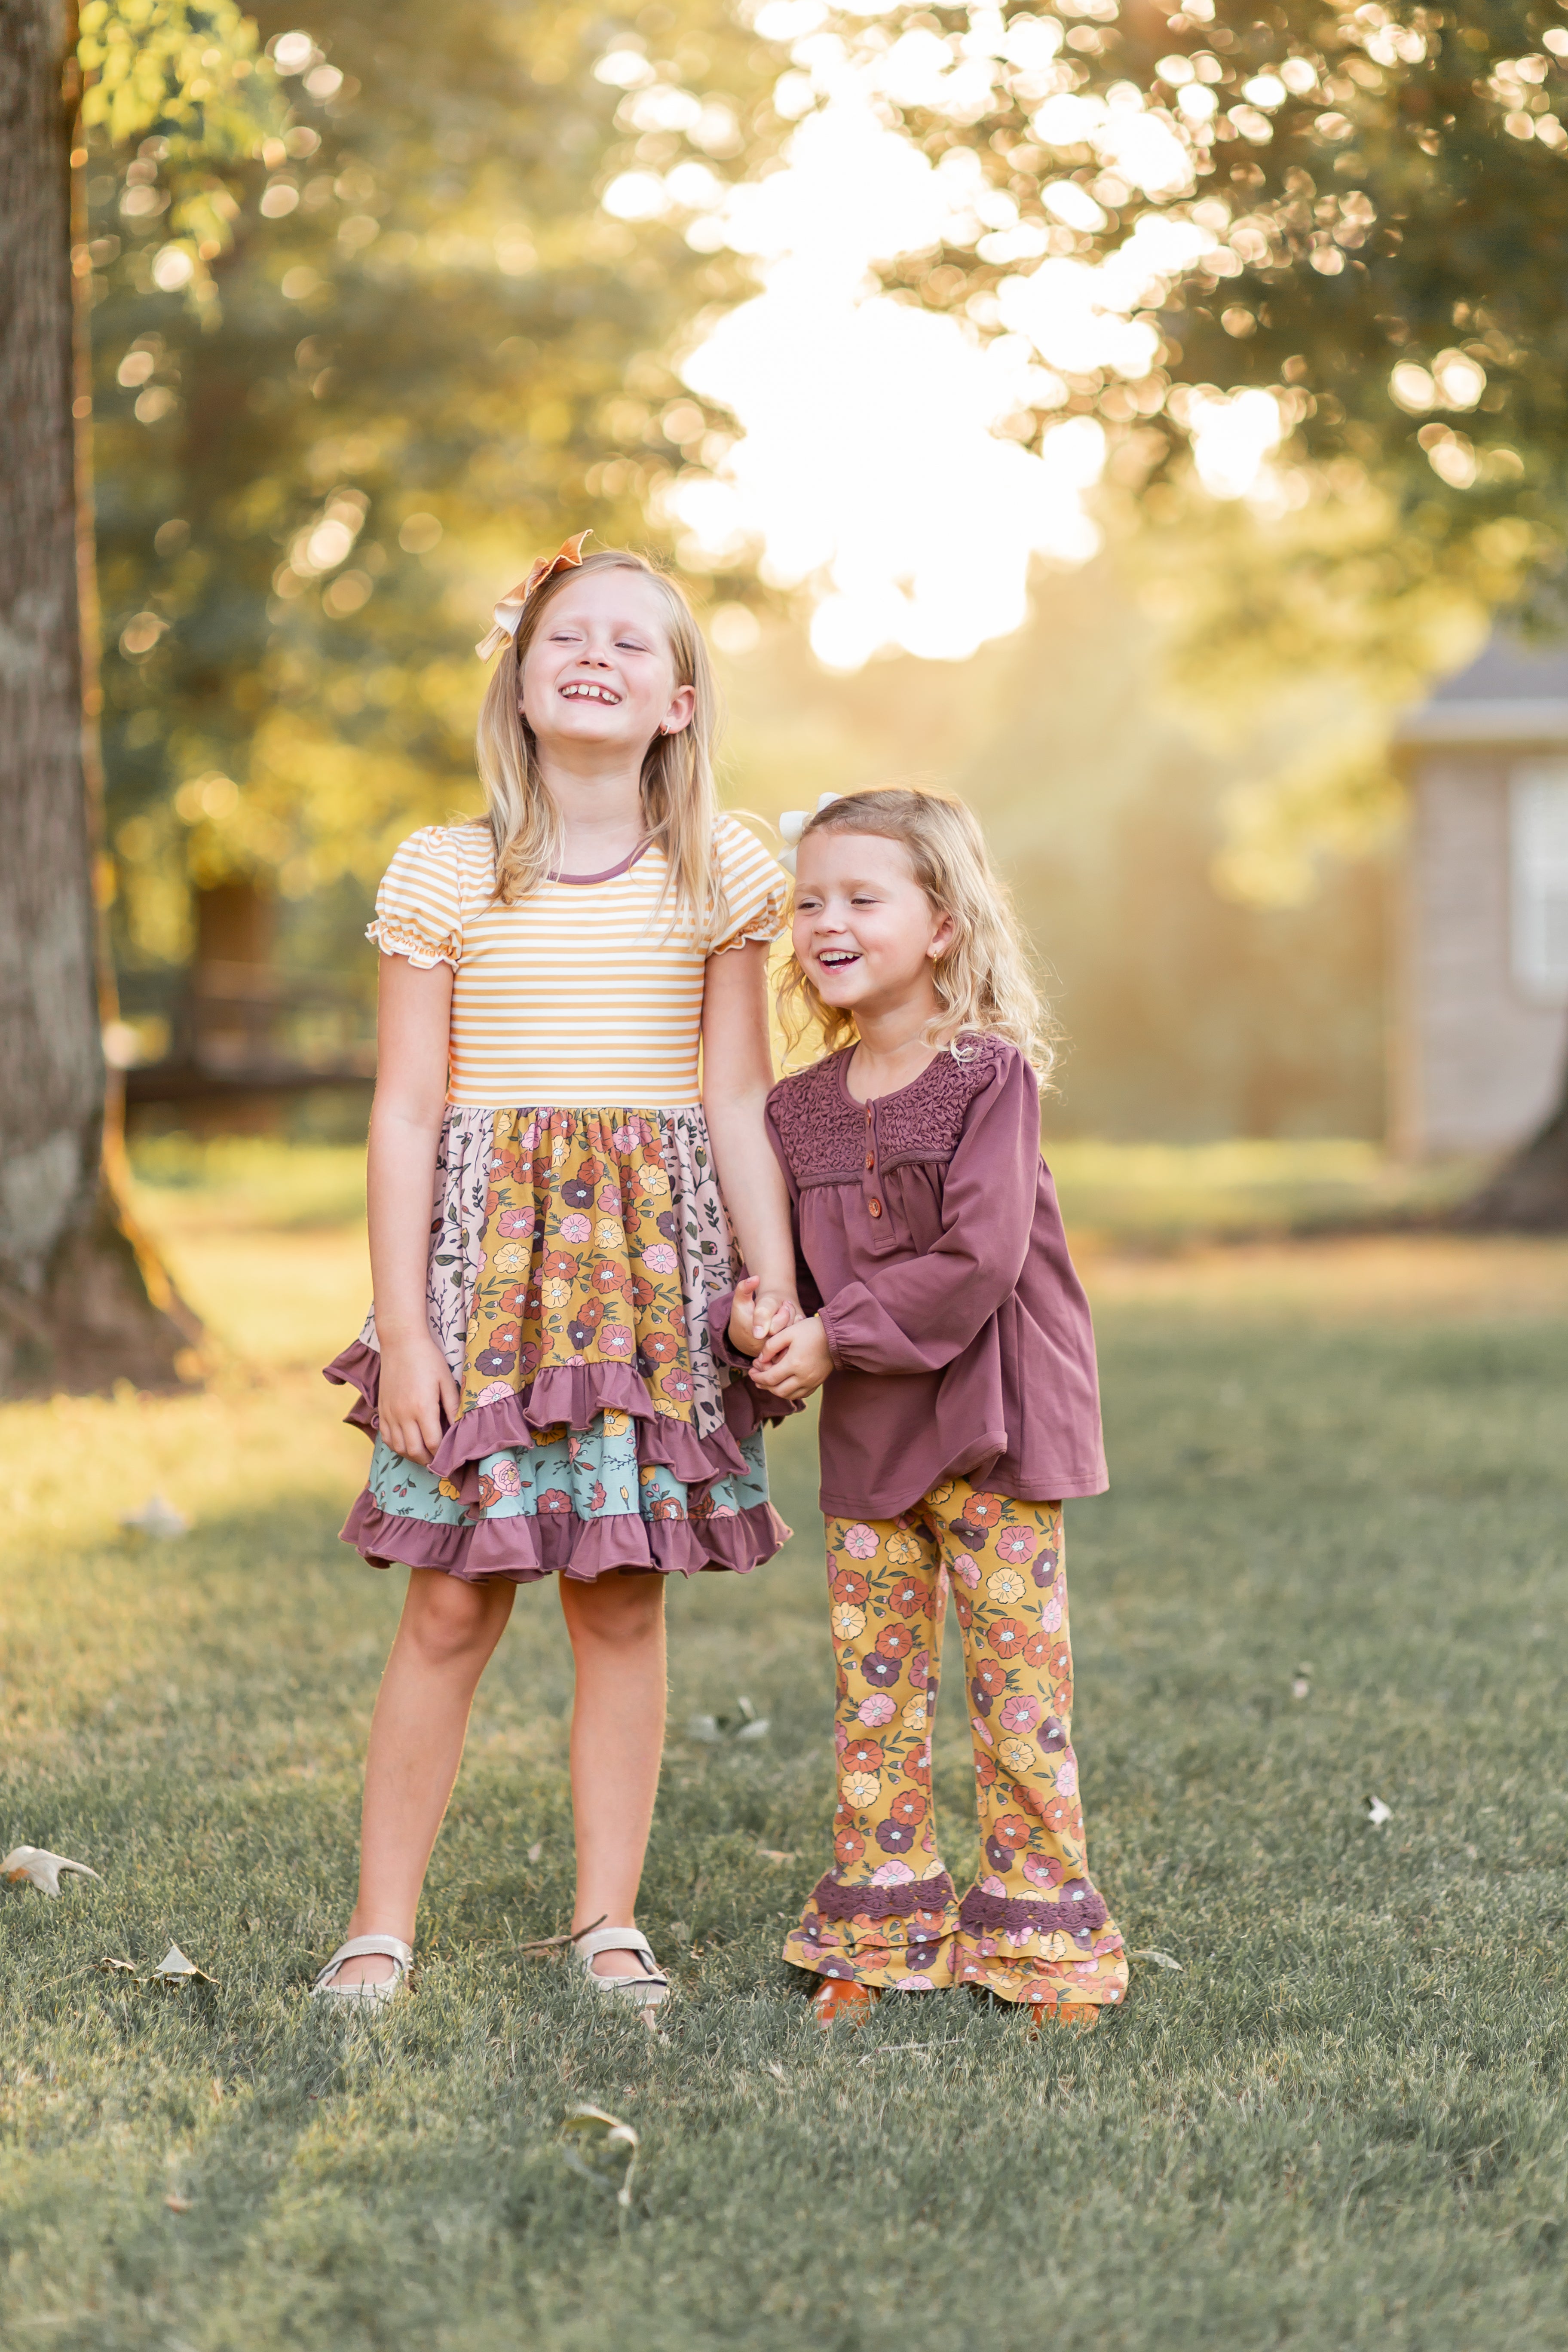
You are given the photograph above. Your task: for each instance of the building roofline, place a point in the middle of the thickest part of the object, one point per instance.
(1521, 721)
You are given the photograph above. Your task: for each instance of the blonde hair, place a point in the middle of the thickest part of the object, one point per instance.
(982, 979)
(681, 801)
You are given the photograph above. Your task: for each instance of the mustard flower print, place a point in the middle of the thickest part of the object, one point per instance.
(1018, 1673)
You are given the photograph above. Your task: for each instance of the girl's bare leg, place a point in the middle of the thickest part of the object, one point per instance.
(616, 1626)
(444, 1642)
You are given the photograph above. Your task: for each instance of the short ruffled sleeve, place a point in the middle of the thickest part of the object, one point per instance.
(756, 888)
(418, 907)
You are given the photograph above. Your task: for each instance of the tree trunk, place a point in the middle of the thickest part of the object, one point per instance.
(83, 1301)
(1529, 1193)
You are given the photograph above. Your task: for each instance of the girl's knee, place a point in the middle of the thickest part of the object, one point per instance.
(446, 1621)
(616, 1611)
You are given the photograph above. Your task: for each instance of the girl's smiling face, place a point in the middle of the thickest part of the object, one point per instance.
(599, 671)
(864, 933)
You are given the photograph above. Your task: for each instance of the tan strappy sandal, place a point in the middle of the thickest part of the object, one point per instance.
(646, 1990)
(325, 1987)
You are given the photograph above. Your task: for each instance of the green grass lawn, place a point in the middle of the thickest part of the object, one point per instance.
(1341, 2124)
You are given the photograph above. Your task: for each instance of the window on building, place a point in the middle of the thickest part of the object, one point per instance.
(1539, 850)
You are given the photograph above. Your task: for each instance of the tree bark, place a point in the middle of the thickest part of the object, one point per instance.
(83, 1301)
(1529, 1194)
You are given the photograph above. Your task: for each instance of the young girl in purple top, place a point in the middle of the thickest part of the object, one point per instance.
(951, 1341)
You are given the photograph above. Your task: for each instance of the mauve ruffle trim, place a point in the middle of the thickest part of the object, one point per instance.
(522, 1550)
(572, 1395)
(1077, 1912)
(836, 1901)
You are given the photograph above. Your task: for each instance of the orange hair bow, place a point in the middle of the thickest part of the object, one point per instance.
(508, 612)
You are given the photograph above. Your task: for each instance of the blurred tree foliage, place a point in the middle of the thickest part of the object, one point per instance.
(345, 393)
(1362, 209)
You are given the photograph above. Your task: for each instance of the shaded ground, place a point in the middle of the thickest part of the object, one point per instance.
(1340, 2124)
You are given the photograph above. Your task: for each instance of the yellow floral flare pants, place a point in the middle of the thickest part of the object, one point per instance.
(1032, 1927)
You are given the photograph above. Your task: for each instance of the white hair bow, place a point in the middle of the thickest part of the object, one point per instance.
(792, 823)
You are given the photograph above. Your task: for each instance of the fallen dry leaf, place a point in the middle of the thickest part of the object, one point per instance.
(772, 1853)
(112, 1966)
(41, 1868)
(1377, 1812)
(1160, 1960)
(178, 2204)
(607, 2136)
(174, 1968)
(536, 1850)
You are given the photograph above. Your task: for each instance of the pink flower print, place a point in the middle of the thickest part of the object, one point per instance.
(914, 1984)
(504, 1475)
(597, 1499)
(677, 1384)
(1066, 1777)
(573, 1445)
(512, 1222)
(1043, 1870)
(840, 1737)
(978, 1728)
(992, 1887)
(725, 1511)
(552, 1499)
(986, 1944)
(494, 1393)
(967, 1570)
(615, 1340)
(623, 1138)
(1021, 1714)
(1015, 1543)
(576, 1228)
(858, 1541)
(610, 1197)
(527, 1137)
(659, 1258)
(892, 1874)
(920, 1670)
(877, 1709)
(1051, 1614)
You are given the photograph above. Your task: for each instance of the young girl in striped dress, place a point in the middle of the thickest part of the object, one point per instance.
(547, 1230)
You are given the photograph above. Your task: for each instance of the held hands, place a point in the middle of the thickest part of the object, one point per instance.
(756, 1313)
(416, 1385)
(793, 1361)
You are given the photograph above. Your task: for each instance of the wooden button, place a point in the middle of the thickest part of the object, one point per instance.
(876, 1208)
(870, 1160)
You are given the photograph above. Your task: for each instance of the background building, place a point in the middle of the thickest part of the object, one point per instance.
(1482, 945)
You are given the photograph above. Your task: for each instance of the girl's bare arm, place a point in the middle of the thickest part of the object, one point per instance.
(412, 1030)
(737, 1074)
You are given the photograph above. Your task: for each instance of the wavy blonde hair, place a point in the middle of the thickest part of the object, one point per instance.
(681, 801)
(983, 980)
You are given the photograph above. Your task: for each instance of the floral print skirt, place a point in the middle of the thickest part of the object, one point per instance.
(575, 1257)
(1032, 1928)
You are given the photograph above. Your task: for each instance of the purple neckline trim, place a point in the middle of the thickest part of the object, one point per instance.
(845, 1054)
(583, 881)
(1076, 1911)
(836, 1901)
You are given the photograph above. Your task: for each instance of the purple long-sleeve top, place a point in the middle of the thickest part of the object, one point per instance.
(929, 1239)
